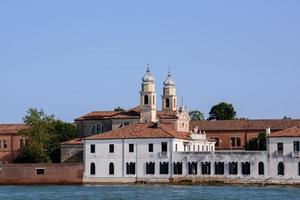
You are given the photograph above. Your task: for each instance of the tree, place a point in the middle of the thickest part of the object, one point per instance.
(259, 143)
(120, 109)
(44, 133)
(222, 111)
(196, 115)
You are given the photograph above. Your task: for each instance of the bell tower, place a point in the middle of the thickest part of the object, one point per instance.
(169, 98)
(148, 98)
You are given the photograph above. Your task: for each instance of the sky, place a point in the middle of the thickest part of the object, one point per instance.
(71, 57)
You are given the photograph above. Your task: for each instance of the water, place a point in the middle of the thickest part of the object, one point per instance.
(148, 192)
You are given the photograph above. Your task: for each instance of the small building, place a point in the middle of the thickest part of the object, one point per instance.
(10, 142)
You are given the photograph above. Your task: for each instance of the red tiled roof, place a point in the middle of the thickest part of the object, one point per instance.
(290, 132)
(10, 128)
(166, 115)
(74, 141)
(140, 131)
(133, 113)
(244, 125)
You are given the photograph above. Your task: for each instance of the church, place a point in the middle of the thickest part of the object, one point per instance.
(146, 145)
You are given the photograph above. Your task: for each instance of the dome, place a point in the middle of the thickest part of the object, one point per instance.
(169, 81)
(148, 76)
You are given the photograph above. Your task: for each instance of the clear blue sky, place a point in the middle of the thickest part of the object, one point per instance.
(72, 57)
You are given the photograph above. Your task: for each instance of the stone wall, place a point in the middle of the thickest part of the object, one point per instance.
(41, 174)
(71, 153)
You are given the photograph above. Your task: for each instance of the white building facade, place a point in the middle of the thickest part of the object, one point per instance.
(157, 150)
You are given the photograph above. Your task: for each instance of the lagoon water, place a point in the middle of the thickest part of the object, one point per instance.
(147, 192)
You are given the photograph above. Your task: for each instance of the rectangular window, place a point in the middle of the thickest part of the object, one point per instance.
(164, 147)
(194, 148)
(217, 142)
(40, 171)
(176, 147)
(198, 147)
(131, 148)
(4, 144)
(233, 168)
(22, 143)
(206, 168)
(296, 146)
(111, 148)
(93, 148)
(150, 147)
(232, 142)
(279, 146)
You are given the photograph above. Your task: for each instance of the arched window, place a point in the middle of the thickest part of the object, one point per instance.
(192, 168)
(246, 168)
(219, 168)
(92, 169)
(177, 168)
(153, 100)
(146, 100)
(111, 169)
(280, 168)
(167, 103)
(261, 168)
(174, 102)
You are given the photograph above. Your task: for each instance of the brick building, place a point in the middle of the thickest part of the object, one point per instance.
(10, 142)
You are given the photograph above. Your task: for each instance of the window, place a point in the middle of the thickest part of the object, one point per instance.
(177, 168)
(235, 142)
(192, 168)
(4, 144)
(111, 148)
(217, 142)
(296, 146)
(150, 147)
(246, 168)
(150, 168)
(206, 168)
(198, 147)
(126, 123)
(97, 128)
(0, 144)
(176, 147)
(130, 168)
(92, 169)
(233, 168)
(111, 169)
(280, 168)
(164, 168)
(153, 100)
(167, 103)
(93, 148)
(194, 148)
(279, 146)
(22, 143)
(40, 171)
(261, 168)
(131, 148)
(219, 168)
(299, 169)
(146, 100)
(164, 146)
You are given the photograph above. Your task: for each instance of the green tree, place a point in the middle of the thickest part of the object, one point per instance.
(44, 133)
(196, 115)
(222, 111)
(120, 109)
(259, 143)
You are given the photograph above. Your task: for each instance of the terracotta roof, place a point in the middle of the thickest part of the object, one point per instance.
(139, 131)
(10, 128)
(243, 125)
(133, 113)
(290, 132)
(74, 141)
(166, 115)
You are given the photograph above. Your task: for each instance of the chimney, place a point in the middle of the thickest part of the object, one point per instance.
(268, 130)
